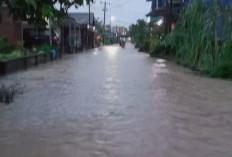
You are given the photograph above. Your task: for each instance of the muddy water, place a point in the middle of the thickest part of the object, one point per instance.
(113, 102)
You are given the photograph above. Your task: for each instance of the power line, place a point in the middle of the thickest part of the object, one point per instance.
(121, 4)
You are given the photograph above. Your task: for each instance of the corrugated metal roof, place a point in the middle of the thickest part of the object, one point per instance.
(209, 2)
(83, 18)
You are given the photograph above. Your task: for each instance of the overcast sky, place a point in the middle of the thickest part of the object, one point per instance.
(124, 12)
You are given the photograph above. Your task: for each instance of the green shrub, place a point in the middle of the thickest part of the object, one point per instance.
(223, 65)
(8, 93)
(147, 44)
(222, 70)
(13, 54)
(156, 47)
(16, 53)
(109, 40)
(196, 41)
(7, 51)
(43, 49)
(139, 33)
(5, 47)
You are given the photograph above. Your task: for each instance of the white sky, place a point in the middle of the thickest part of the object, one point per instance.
(125, 12)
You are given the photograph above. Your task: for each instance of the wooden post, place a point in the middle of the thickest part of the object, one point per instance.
(75, 32)
(50, 32)
(62, 36)
(25, 63)
(69, 35)
(45, 58)
(79, 37)
(36, 60)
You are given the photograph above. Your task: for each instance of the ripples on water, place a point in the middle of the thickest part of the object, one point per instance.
(114, 102)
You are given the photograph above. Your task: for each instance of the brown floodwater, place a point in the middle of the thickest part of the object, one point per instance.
(114, 102)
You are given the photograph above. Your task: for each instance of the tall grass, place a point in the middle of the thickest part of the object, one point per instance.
(203, 38)
(8, 93)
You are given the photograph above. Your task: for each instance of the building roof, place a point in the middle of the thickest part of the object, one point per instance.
(83, 18)
(210, 2)
(159, 12)
(66, 20)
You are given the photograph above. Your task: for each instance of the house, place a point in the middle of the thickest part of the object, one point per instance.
(18, 31)
(164, 13)
(88, 30)
(70, 34)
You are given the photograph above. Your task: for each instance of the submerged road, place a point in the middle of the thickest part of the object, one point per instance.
(114, 102)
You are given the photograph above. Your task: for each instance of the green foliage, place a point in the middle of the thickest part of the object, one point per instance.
(109, 40)
(223, 66)
(146, 45)
(14, 54)
(43, 49)
(37, 11)
(196, 41)
(139, 33)
(156, 47)
(189, 37)
(8, 52)
(5, 47)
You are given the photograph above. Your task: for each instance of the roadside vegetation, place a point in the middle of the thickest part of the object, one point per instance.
(8, 51)
(37, 13)
(202, 39)
(8, 93)
(109, 40)
(140, 35)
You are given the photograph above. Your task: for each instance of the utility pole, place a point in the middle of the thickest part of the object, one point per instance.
(88, 26)
(104, 10)
(89, 11)
(110, 25)
(171, 17)
(171, 6)
(50, 31)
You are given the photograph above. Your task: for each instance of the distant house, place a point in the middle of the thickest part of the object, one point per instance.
(119, 31)
(88, 30)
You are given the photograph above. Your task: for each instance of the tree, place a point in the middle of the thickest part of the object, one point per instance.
(138, 31)
(66, 4)
(37, 11)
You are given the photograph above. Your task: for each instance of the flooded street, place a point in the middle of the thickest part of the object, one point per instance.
(114, 102)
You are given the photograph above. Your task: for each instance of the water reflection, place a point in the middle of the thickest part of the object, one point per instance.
(120, 103)
(112, 52)
(160, 63)
(158, 60)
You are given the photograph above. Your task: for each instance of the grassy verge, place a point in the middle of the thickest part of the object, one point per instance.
(202, 39)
